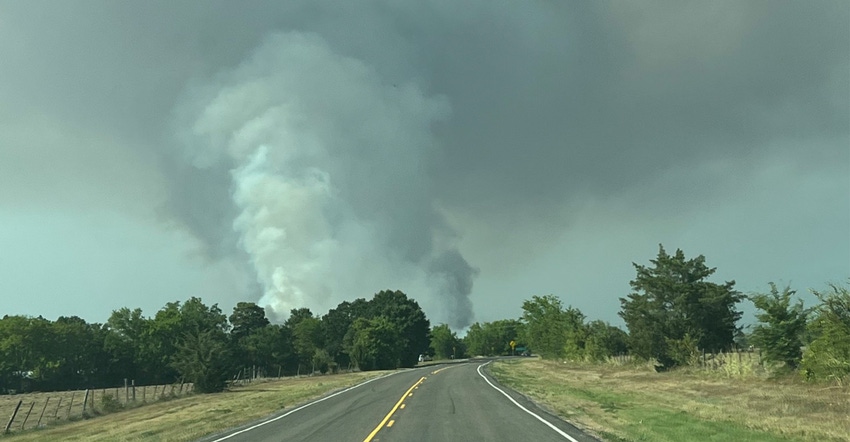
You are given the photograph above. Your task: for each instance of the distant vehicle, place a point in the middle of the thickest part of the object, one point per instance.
(424, 358)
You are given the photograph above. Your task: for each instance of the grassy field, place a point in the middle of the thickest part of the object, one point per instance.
(53, 408)
(192, 417)
(632, 403)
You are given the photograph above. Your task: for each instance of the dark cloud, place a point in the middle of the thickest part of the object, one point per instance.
(481, 130)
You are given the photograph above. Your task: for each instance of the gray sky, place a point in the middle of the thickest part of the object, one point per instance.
(303, 153)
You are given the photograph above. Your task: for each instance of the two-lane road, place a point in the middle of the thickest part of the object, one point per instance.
(457, 402)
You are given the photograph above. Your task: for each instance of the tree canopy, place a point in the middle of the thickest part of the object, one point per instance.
(781, 326)
(674, 311)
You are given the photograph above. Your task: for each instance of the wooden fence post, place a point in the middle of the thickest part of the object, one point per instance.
(144, 388)
(85, 402)
(71, 404)
(134, 391)
(56, 412)
(38, 424)
(154, 391)
(24, 424)
(126, 392)
(14, 413)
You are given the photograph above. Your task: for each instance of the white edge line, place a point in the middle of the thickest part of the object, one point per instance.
(549, 424)
(245, 430)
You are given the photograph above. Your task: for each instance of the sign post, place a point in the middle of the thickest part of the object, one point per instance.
(513, 347)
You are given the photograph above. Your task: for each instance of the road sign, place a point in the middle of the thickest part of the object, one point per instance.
(513, 345)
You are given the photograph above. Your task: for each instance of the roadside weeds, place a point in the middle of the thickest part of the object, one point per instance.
(631, 403)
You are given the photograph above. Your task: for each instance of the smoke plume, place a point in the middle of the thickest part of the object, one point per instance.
(330, 178)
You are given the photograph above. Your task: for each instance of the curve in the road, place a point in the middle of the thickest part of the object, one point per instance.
(536, 416)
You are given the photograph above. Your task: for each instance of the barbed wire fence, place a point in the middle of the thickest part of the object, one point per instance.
(35, 410)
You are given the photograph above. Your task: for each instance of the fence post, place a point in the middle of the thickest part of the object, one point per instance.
(71, 404)
(134, 390)
(144, 388)
(38, 424)
(85, 402)
(14, 413)
(56, 412)
(126, 392)
(28, 415)
(154, 391)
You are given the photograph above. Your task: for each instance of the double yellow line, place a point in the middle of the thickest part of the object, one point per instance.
(389, 415)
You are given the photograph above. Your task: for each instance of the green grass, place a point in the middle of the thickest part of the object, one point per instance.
(630, 403)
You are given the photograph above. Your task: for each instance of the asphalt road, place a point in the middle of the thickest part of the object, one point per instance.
(439, 403)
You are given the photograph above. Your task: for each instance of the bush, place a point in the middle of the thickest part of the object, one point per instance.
(110, 404)
(827, 358)
(781, 326)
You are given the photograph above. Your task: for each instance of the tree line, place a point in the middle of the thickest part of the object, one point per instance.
(672, 315)
(195, 342)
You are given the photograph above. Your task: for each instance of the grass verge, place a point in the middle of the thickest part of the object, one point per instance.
(636, 404)
(195, 416)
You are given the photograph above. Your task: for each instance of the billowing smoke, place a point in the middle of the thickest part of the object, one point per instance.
(330, 168)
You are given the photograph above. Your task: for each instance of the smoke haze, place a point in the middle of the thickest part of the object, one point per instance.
(331, 177)
(302, 153)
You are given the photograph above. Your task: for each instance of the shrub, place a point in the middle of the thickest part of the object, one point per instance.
(110, 404)
(827, 357)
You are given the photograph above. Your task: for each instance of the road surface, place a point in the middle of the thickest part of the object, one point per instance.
(453, 402)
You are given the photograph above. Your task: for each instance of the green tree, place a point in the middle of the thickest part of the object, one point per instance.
(410, 321)
(576, 334)
(296, 315)
(781, 326)
(547, 324)
(247, 318)
(445, 343)
(307, 338)
(673, 307)
(76, 351)
(202, 358)
(26, 347)
(827, 357)
(603, 340)
(271, 347)
(336, 324)
(493, 338)
(163, 334)
(126, 342)
(374, 344)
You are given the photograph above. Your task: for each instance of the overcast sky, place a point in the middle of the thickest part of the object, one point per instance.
(471, 154)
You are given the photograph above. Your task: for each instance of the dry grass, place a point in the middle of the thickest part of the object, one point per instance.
(61, 406)
(636, 403)
(192, 417)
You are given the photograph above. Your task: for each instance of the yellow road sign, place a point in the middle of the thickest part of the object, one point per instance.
(513, 345)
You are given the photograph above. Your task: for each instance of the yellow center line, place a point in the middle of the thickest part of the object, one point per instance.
(444, 368)
(395, 407)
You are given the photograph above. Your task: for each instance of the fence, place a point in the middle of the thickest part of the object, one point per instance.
(33, 410)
